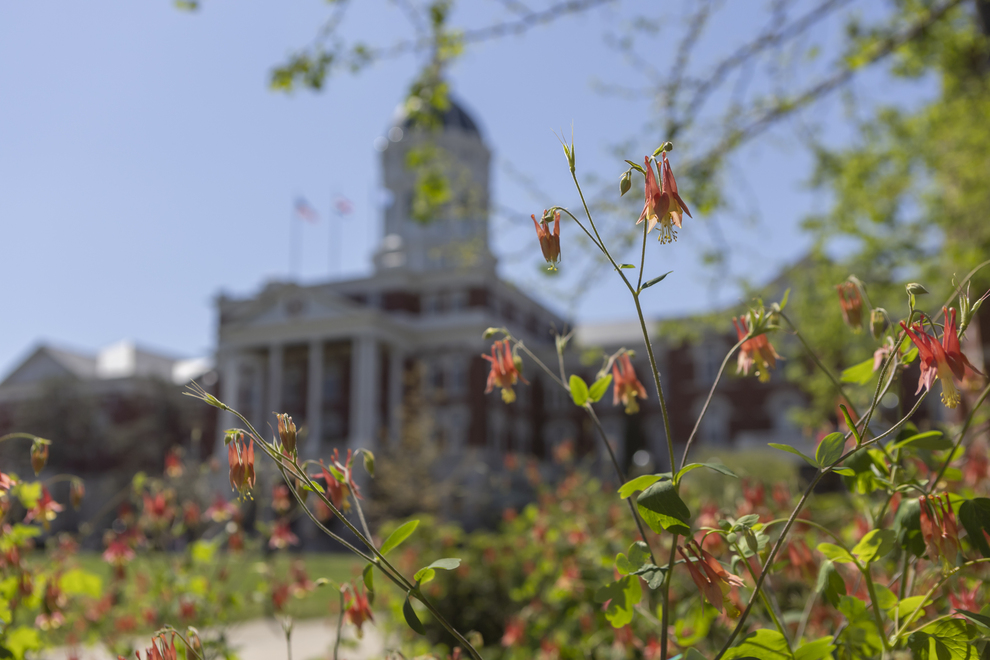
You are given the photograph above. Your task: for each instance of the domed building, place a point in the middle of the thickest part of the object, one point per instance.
(344, 357)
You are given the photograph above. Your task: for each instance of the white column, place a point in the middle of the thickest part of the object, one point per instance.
(314, 399)
(364, 392)
(275, 352)
(396, 390)
(230, 373)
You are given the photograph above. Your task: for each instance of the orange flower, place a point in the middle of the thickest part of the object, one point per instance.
(358, 610)
(662, 205)
(756, 351)
(505, 370)
(651, 206)
(282, 537)
(173, 463)
(549, 242)
(852, 305)
(945, 360)
(939, 529)
(625, 385)
(713, 581)
(39, 455)
(241, 461)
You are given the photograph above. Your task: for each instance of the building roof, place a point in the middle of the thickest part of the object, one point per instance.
(454, 117)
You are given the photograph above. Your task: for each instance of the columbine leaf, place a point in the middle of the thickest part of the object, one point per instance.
(975, 517)
(718, 467)
(579, 390)
(411, 618)
(861, 373)
(398, 536)
(819, 649)
(599, 388)
(875, 544)
(830, 449)
(763, 644)
(621, 596)
(836, 553)
(796, 452)
(929, 440)
(639, 483)
(662, 508)
(655, 280)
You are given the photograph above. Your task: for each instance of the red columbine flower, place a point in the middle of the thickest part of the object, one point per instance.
(6, 483)
(852, 305)
(712, 580)
(671, 204)
(939, 529)
(280, 596)
(282, 537)
(287, 433)
(549, 242)
(44, 510)
(945, 360)
(358, 609)
(221, 510)
(505, 370)
(159, 650)
(625, 385)
(756, 351)
(241, 461)
(651, 206)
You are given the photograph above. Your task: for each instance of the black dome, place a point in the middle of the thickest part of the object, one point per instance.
(454, 117)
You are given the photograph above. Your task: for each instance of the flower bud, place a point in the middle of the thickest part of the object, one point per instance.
(491, 332)
(915, 289)
(287, 432)
(77, 491)
(39, 455)
(625, 182)
(878, 322)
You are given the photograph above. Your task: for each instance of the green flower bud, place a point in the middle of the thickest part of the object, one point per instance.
(625, 182)
(915, 289)
(878, 322)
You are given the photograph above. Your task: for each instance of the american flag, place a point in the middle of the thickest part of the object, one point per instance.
(305, 210)
(342, 205)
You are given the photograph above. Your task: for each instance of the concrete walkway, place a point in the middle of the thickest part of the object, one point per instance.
(263, 639)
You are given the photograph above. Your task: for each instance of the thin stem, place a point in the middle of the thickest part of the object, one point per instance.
(665, 593)
(876, 608)
(23, 436)
(805, 616)
(340, 626)
(935, 587)
(711, 393)
(622, 477)
(287, 628)
(767, 604)
(825, 370)
(540, 363)
(656, 380)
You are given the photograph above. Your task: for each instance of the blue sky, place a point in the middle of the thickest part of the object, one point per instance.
(145, 166)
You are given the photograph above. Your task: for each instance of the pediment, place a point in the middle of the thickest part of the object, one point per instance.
(288, 304)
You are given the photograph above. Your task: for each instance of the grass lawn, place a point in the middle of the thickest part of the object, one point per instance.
(247, 573)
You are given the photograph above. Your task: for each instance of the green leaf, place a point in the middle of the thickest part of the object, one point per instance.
(783, 301)
(830, 583)
(398, 536)
(819, 649)
(905, 608)
(947, 639)
(933, 440)
(844, 471)
(861, 373)
(652, 573)
(369, 462)
(424, 575)
(655, 280)
(764, 644)
(447, 563)
(28, 493)
(796, 452)
(886, 599)
(639, 554)
(78, 582)
(976, 618)
(836, 553)
(639, 483)
(621, 596)
(627, 266)
(662, 508)
(875, 544)
(579, 390)
(21, 640)
(718, 467)
(830, 449)
(369, 581)
(975, 517)
(599, 388)
(411, 618)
